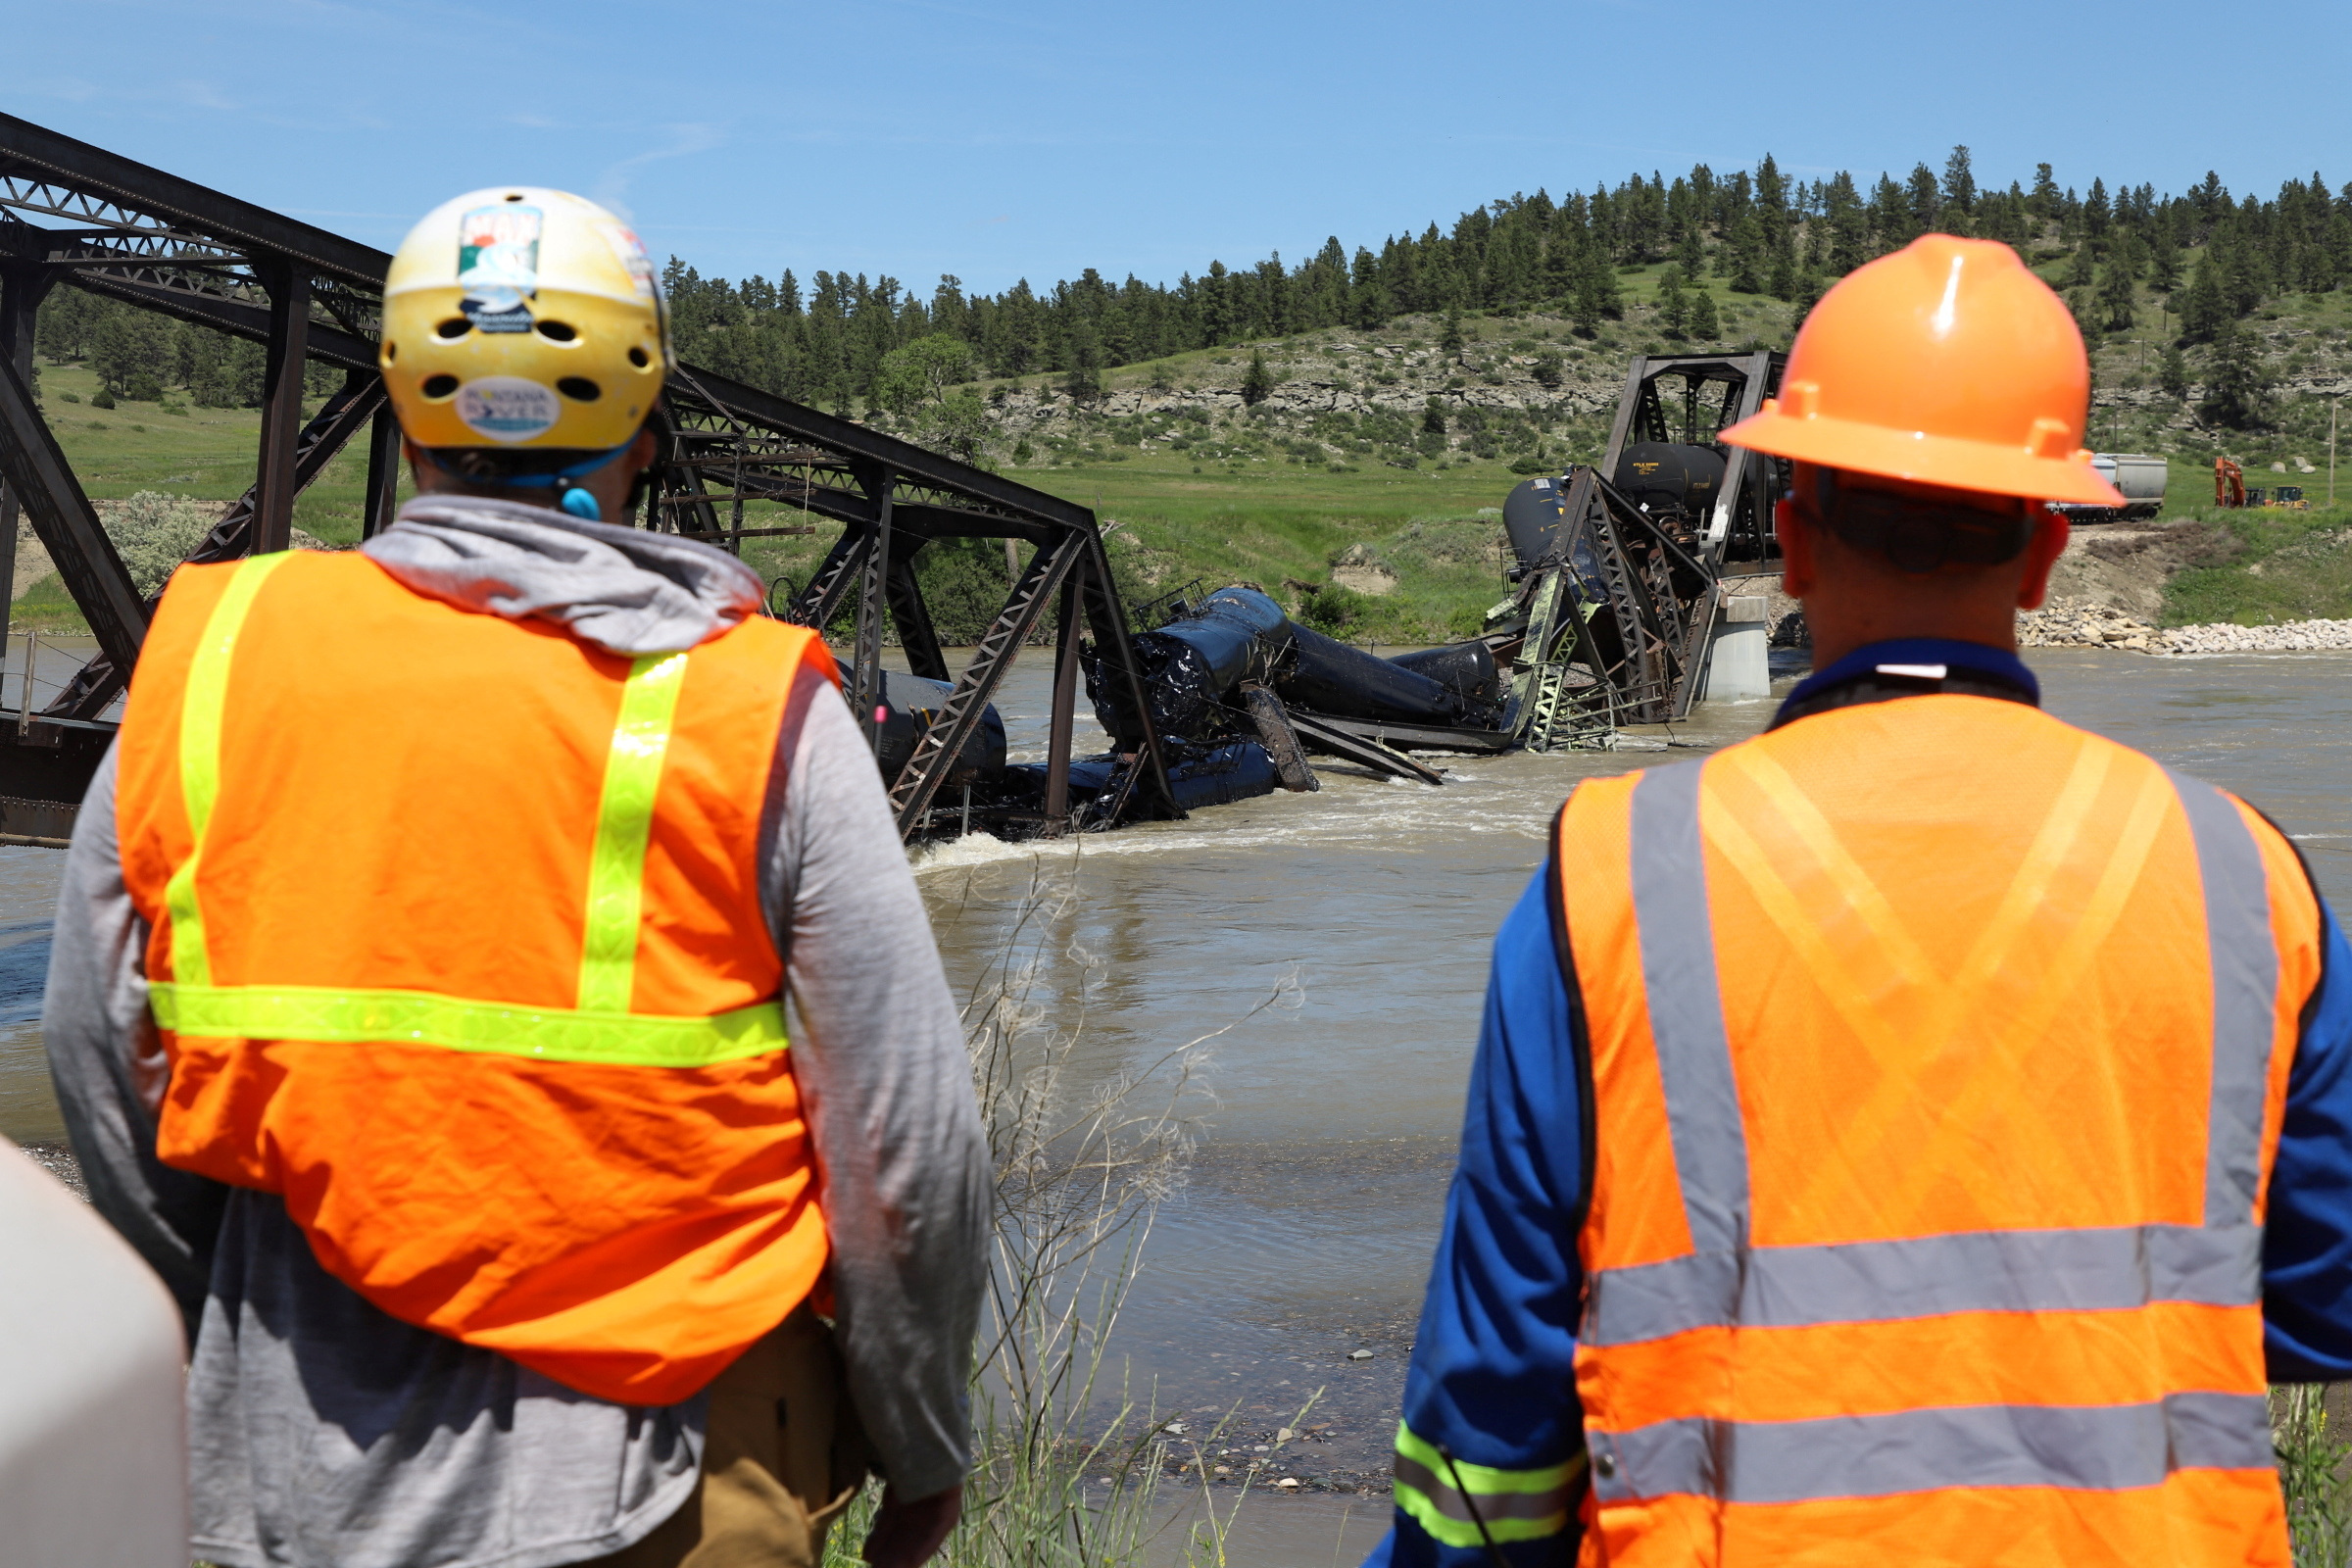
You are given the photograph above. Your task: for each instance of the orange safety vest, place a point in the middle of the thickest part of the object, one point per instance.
(456, 944)
(1938, 1054)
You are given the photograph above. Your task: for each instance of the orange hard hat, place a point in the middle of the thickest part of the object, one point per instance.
(1946, 363)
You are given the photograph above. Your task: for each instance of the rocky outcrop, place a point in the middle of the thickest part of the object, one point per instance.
(2065, 624)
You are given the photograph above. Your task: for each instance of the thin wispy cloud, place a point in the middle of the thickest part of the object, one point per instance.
(683, 141)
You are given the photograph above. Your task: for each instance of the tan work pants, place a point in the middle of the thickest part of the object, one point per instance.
(782, 1457)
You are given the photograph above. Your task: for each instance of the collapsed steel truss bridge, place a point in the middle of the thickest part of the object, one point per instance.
(77, 214)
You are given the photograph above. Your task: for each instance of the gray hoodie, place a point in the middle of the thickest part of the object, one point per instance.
(323, 1431)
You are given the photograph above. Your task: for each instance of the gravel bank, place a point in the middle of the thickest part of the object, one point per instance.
(2288, 637)
(2104, 626)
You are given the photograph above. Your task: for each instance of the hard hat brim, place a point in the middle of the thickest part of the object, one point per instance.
(1924, 459)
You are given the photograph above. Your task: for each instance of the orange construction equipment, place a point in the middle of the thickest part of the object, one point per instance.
(1945, 363)
(2228, 483)
(432, 1027)
(1931, 1133)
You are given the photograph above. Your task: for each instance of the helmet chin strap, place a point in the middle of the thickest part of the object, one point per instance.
(574, 499)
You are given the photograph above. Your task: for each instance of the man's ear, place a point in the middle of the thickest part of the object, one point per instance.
(1796, 548)
(2042, 549)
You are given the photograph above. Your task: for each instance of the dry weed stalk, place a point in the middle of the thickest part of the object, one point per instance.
(1083, 1160)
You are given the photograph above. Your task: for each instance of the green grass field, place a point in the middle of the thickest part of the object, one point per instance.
(205, 453)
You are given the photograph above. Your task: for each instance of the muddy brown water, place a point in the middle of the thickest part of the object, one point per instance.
(1302, 1232)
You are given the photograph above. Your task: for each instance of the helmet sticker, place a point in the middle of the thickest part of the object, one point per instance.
(497, 265)
(508, 408)
(631, 251)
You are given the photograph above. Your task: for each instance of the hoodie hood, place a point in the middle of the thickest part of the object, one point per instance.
(624, 589)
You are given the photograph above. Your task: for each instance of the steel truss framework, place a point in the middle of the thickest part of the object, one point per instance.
(127, 231)
(1692, 399)
(1617, 616)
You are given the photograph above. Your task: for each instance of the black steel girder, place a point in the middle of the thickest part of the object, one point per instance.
(101, 188)
(45, 484)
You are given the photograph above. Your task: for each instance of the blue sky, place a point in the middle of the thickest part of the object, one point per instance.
(916, 137)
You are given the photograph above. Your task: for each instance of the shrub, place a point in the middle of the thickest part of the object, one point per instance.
(154, 532)
(1334, 608)
(102, 399)
(1257, 382)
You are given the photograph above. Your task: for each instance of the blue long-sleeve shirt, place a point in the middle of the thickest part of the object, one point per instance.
(1492, 1379)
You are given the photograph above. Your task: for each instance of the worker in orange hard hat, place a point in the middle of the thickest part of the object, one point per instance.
(1921, 1133)
(418, 998)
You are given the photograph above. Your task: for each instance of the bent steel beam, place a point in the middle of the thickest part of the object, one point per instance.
(960, 719)
(43, 481)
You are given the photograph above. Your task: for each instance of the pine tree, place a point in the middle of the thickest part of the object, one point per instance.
(1451, 339)
(1433, 417)
(1745, 248)
(1673, 310)
(1959, 181)
(1257, 382)
(1083, 381)
(1705, 324)
(2203, 308)
(1596, 298)
(2172, 372)
(2044, 203)
(2117, 295)
(1691, 251)
(2236, 380)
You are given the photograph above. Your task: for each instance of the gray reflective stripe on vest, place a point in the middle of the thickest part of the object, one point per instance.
(2246, 992)
(1925, 1276)
(1727, 1283)
(1685, 1006)
(2106, 1448)
(1724, 1283)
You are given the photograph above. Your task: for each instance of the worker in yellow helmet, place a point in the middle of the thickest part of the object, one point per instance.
(1917, 1134)
(418, 999)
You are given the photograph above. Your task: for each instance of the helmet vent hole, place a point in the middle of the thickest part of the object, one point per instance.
(514, 196)
(579, 389)
(391, 351)
(439, 386)
(639, 358)
(456, 327)
(556, 331)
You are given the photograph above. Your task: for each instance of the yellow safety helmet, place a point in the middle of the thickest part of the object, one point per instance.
(520, 316)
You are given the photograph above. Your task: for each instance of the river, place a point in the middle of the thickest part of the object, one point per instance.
(1325, 1123)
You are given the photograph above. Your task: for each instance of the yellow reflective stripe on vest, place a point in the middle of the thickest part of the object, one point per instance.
(601, 1029)
(624, 821)
(502, 1028)
(200, 713)
(1510, 1505)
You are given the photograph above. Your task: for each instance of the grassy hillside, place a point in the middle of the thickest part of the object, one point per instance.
(1316, 478)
